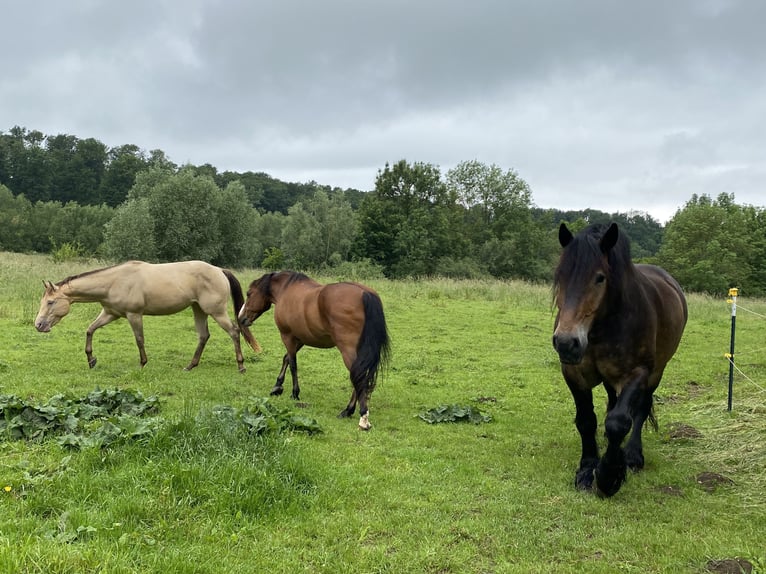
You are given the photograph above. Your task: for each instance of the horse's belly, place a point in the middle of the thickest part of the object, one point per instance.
(320, 341)
(165, 309)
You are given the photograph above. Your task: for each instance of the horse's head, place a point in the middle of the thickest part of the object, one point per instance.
(53, 306)
(581, 282)
(258, 301)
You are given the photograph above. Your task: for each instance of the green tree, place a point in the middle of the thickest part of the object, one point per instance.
(756, 224)
(17, 225)
(185, 216)
(410, 221)
(122, 166)
(317, 231)
(238, 234)
(79, 224)
(25, 164)
(186, 224)
(708, 246)
(505, 239)
(130, 233)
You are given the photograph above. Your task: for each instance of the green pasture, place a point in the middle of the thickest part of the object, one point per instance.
(202, 494)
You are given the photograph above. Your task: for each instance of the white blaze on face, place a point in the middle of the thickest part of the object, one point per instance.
(579, 332)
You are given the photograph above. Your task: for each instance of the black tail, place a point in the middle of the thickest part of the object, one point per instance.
(239, 300)
(373, 349)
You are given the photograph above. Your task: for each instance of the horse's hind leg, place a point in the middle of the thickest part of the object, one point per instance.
(350, 408)
(233, 330)
(361, 393)
(200, 322)
(103, 318)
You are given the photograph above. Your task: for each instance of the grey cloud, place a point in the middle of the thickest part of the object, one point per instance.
(594, 102)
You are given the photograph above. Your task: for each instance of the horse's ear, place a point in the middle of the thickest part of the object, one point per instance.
(609, 239)
(565, 236)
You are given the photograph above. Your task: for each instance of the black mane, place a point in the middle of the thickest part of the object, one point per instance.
(263, 285)
(83, 274)
(584, 251)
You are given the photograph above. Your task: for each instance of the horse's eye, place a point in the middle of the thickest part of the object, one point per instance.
(600, 278)
(51, 302)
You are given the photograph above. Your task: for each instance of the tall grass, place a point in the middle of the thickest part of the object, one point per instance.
(203, 495)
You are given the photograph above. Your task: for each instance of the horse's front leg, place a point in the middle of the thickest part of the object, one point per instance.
(136, 321)
(612, 468)
(103, 318)
(277, 390)
(586, 423)
(290, 360)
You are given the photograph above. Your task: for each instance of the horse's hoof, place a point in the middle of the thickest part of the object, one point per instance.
(92, 362)
(364, 423)
(634, 460)
(608, 480)
(276, 391)
(584, 479)
(242, 370)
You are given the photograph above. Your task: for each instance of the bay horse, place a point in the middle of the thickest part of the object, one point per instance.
(135, 288)
(618, 323)
(345, 315)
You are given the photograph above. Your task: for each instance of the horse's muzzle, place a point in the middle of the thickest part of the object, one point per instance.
(43, 326)
(570, 349)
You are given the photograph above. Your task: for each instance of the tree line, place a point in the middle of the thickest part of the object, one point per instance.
(72, 197)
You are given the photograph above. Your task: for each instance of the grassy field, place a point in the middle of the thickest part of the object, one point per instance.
(201, 494)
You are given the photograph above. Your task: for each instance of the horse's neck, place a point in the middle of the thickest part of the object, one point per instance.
(630, 293)
(87, 289)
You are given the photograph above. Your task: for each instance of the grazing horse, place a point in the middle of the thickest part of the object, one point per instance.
(348, 316)
(135, 288)
(617, 324)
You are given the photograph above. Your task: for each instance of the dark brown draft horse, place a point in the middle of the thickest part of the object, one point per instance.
(617, 324)
(135, 288)
(348, 316)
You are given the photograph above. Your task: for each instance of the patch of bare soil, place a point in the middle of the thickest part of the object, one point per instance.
(730, 566)
(682, 431)
(709, 481)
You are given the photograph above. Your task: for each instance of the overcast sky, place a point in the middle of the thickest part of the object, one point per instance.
(612, 105)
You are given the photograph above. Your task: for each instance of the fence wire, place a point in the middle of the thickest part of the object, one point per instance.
(761, 388)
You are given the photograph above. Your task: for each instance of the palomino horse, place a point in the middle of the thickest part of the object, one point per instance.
(135, 288)
(617, 324)
(348, 316)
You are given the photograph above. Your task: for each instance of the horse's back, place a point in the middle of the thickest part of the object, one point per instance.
(669, 303)
(322, 315)
(166, 288)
